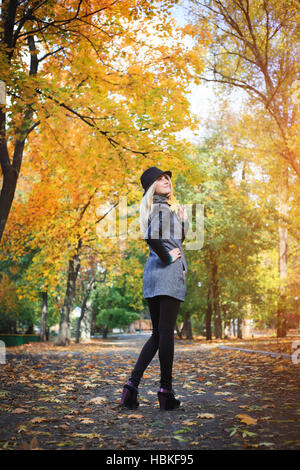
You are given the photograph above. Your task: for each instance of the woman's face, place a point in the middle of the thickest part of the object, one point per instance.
(163, 185)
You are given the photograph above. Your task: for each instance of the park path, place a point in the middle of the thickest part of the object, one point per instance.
(68, 399)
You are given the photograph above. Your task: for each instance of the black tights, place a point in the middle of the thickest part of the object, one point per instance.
(163, 312)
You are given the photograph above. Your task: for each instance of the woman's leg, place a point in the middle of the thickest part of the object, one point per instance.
(169, 307)
(151, 346)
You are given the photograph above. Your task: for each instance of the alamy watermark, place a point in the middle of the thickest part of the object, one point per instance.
(118, 215)
(296, 352)
(2, 352)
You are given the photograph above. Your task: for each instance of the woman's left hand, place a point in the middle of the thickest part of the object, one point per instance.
(182, 214)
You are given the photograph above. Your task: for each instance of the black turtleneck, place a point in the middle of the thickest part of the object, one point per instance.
(162, 198)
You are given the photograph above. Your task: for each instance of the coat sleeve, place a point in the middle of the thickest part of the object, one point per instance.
(156, 235)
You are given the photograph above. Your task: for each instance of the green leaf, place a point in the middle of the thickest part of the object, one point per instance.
(179, 438)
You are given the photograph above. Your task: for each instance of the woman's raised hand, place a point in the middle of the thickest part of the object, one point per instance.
(176, 253)
(182, 214)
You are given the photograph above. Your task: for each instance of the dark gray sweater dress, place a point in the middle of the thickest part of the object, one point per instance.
(164, 233)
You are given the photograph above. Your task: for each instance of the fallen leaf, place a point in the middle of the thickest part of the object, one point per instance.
(206, 415)
(98, 400)
(246, 419)
(37, 420)
(20, 410)
(86, 420)
(87, 436)
(135, 416)
(179, 438)
(64, 427)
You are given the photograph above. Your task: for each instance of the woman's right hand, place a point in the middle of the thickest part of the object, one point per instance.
(176, 253)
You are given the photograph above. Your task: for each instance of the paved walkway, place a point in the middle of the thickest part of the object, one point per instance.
(69, 400)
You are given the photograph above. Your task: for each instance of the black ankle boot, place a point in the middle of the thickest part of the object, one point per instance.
(167, 400)
(129, 397)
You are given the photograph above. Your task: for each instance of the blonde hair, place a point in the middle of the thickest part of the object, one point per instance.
(146, 204)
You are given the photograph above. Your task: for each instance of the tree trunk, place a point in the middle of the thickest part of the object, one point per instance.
(43, 335)
(105, 332)
(283, 257)
(208, 314)
(187, 326)
(179, 332)
(226, 322)
(246, 327)
(64, 333)
(227, 329)
(83, 309)
(239, 328)
(215, 296)
(10, 170)
(30, 330)
(93, 322)
(9, 183)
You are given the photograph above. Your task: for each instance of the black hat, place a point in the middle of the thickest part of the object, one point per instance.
(150, 175)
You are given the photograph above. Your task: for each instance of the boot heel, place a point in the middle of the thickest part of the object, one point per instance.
(167, 401)
(162, 401)
(129, 397)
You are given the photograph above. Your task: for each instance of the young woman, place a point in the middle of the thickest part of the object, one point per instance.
(164, 283)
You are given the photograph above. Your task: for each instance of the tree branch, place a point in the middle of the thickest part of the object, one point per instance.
(111, 140)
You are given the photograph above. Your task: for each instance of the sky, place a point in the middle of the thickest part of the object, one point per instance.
(203, 100)
(201, 97)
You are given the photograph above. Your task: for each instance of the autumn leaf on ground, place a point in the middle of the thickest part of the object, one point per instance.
(64, 427)
(20, 410)
(246, 419)
(37, 420)
(88, 385)
(86, 420)
(135, 416)
(180, 439)
(98, 400)
(206, 415)
(87, 435)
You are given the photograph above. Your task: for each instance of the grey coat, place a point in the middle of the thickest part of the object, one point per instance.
(164, 233)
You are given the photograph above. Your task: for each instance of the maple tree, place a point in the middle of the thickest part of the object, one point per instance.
(222, 275)
(259, 150)
(110, 95)
(57, 57)
(254, 50)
